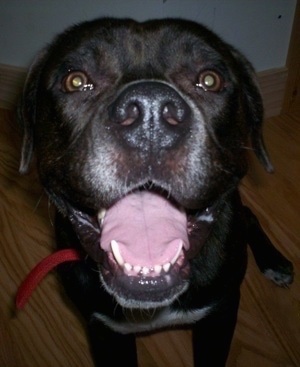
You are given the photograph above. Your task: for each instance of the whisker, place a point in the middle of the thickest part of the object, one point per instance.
(38, 202)
(169, 191)
(49, 213)
(247, 148)
(222, 169)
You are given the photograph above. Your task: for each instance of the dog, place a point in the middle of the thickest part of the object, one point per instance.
(141, 132)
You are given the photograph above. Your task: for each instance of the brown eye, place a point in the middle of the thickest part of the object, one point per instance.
(76, 81)
(210, 81)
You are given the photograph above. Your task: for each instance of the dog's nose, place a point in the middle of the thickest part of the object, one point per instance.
(150, 111)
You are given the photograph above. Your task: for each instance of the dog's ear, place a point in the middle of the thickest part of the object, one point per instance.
(253, 108)
(26, 110)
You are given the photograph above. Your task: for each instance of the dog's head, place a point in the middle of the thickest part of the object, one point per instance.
(139, 129)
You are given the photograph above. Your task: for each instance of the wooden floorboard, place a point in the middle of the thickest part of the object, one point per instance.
(48, 334)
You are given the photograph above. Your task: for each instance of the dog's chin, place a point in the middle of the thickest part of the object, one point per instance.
(145, 292)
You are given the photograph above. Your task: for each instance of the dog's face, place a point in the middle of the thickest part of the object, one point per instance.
(139, 129)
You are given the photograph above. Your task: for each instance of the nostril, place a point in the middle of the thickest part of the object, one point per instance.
(132, 113)
(173, 114)
(124, 114)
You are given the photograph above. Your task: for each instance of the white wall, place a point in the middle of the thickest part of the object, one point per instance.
(259, 28)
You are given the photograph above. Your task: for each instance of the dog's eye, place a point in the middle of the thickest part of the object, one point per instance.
(77, 81)
(210, 81)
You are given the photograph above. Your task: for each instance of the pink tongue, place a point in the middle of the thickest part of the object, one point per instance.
(147, 227)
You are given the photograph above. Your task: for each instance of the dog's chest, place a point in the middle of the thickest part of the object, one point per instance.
(136, 321)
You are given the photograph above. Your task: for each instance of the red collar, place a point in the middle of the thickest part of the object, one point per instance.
(37, 274)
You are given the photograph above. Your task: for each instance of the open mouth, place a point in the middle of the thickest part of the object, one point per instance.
(146, 242)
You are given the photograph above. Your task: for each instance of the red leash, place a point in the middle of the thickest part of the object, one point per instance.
(37, 274)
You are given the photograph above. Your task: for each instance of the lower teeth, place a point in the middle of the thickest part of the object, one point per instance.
(143, 270)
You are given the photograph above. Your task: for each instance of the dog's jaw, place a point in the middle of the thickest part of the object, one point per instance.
(144, 275)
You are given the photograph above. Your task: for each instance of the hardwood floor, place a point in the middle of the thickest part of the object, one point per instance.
(48, 334)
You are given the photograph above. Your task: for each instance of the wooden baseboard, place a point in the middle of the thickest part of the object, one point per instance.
(11, 82)
(272, 83)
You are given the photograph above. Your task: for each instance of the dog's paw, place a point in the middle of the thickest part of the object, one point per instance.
(282, 275)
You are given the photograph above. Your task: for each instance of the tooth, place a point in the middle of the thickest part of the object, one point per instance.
(173, 261)
(145, 270)
(127, 267)
(116, 251)
(157, 269)
(166, 267)
(137, 268)
(101, 215)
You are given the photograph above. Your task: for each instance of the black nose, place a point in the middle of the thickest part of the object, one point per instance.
(150, 112)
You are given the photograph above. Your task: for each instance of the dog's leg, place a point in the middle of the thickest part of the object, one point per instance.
(111, 349)
(269, 260)
(212, 335)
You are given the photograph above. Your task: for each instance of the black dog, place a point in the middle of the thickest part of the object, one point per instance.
(140, 132)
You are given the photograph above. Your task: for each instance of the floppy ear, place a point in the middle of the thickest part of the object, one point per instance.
(253, 109)
(27, 110)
